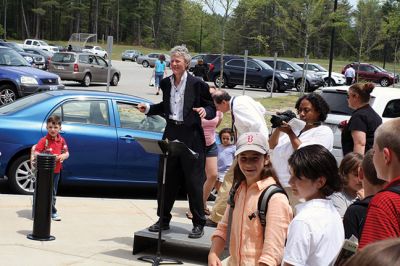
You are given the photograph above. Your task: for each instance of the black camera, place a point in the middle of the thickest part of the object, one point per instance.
(278, 119)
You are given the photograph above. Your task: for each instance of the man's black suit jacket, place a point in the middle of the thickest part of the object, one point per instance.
(197, 94)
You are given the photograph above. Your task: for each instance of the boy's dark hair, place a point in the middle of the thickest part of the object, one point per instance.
(314, 161)
(220, 96)
(54, 119)
(349, 164)
(369, 169)
(318, 103)
(223, 131)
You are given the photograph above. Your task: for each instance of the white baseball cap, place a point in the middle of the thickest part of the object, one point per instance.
(252, 141)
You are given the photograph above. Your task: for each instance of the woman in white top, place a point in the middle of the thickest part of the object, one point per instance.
(284, 140)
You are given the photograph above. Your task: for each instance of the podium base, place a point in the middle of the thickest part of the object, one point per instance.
(177, 237)
(157, 260)
(32, 237)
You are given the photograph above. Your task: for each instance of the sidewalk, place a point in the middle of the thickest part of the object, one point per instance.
(92, 232)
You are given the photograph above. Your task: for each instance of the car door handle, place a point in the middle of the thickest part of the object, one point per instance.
(127, 138)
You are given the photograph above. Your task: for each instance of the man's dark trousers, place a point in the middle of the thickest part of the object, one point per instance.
(184, 171)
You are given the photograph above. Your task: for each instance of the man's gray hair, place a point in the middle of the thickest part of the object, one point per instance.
(181, 50)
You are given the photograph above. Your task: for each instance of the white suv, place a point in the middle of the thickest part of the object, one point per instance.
(384, 100)
(336, 78)
(97, 50)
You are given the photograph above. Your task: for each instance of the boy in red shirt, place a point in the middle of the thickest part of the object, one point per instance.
(383, 216)
(53, 143)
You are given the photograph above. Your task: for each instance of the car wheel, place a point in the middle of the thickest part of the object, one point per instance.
(134, 59)
(268, 85)
(298, 85)
(123, 59)
(218, 82)
(20, 177)
(86, 80)
(145, 63)
(114, 80)
(384, 82)
(326, 83)
(8, 94)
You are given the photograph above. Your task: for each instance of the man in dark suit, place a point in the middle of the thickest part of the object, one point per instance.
(186, 100)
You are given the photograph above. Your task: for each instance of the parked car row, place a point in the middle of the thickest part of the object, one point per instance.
(18, 78)
(259, 74)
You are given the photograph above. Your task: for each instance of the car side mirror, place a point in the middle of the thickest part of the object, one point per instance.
(257, 68)
(375, 71)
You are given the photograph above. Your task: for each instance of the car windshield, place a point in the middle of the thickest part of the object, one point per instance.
(63, 58)
(263, 64)
(23, 103)
(379, 68)
(319, 67)
(337, 102)
(9, 57)
(295, 66)
(43, 43)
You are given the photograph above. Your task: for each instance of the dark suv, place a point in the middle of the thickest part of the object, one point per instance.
(207, 59)
(258, 74)
(313, 81)
(373, 73)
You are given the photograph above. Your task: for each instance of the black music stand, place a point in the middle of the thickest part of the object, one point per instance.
(165, 148)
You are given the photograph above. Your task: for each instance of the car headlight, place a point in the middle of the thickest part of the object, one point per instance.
(28, 80)
(283, 75)
(28, 59)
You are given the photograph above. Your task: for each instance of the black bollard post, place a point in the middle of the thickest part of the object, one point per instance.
(44, 195)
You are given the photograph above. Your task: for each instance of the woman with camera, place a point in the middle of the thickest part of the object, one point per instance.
(290, 133)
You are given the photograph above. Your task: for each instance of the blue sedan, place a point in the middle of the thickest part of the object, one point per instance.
(100, 129)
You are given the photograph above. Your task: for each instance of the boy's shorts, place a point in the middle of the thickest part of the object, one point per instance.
(221, 176)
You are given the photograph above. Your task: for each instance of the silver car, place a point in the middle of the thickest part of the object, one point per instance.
(130, 55)
(149, 60)
(83, 67)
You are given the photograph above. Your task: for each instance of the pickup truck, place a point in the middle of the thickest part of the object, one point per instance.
(32, 43)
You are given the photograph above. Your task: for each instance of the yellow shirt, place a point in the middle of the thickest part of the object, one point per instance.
(247, 244)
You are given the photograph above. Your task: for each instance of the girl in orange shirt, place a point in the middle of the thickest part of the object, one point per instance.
(250, 243)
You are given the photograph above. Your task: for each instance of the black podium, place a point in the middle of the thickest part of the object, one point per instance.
(165, 148)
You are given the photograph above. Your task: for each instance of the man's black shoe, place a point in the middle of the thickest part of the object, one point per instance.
(156, 227)
(197, 232)
(211, 223)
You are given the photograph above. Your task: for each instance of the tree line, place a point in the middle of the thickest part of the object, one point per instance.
(292, 28)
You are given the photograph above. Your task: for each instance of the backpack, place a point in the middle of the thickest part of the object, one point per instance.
(262, 206)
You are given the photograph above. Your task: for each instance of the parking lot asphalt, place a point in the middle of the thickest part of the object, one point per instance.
(93, 231)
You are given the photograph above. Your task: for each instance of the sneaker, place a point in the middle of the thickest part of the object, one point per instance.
(55, 217)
